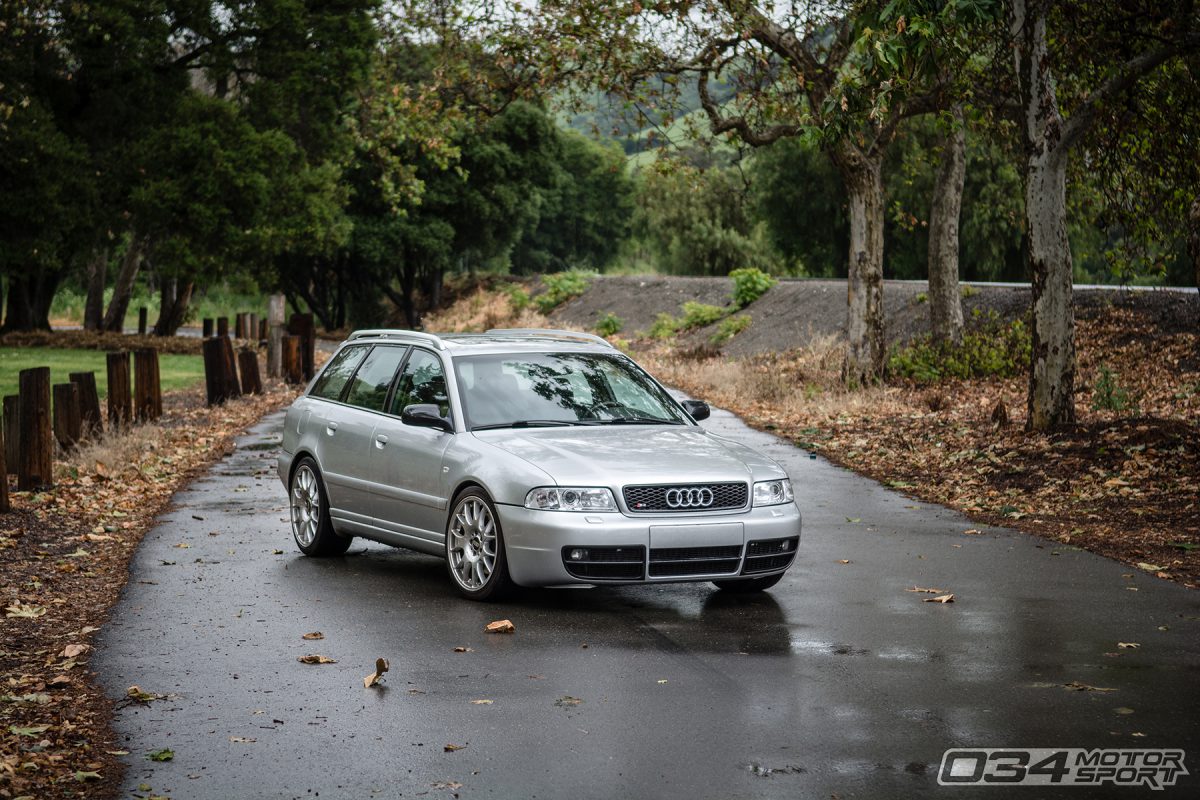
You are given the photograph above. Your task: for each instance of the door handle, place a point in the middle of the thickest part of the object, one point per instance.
(331, 428)
(381, 441)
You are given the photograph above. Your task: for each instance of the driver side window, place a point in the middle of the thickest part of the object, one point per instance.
(422, 381)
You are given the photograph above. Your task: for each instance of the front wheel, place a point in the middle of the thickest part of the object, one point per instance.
(475, 554)
(311, 526)
(749, 585)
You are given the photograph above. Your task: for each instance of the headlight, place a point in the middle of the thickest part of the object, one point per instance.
(570, 498)
(773, 493)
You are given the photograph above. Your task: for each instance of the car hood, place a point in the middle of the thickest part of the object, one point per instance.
(633, 454)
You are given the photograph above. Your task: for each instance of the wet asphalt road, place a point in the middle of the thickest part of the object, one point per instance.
(836, 682)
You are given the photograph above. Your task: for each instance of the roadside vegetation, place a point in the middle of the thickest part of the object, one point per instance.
(175, 371)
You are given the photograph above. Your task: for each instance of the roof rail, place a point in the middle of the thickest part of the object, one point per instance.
(550, 333)
(387, 333)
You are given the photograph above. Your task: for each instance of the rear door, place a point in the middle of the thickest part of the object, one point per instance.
(406, 460)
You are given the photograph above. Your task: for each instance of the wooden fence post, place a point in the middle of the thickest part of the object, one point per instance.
(275, 310)
(4, 505)
(120, 394)
(142, 321)
(229, 360)
(89, 403)
(35, 468)
(214, 370)
(68, 425)
(252, 326)
(208, 327)
(292, 367)
(302, 325)
(222, 326)
(148, 401)
(239, 325)
(248, 366)
(12, 432)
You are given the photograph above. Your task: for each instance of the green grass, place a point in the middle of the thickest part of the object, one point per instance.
(218, 300)
(176, 371)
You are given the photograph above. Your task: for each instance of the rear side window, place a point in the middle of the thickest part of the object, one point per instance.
(370, 385)
(329, 386)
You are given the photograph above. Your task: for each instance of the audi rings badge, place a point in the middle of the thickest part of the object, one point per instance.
(689, 497)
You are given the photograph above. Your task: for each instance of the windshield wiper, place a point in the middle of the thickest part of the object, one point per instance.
(531, 423)
(639, 421)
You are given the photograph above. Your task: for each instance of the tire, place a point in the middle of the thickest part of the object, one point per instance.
(475, 556)
(749, 585)
(311, 526)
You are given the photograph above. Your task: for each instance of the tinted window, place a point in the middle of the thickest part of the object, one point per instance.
(371, 383)
(329, 385)
(421, 381)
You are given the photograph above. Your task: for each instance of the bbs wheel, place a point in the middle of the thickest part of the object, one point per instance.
(311, 526)
(749, 585)
(475, 554)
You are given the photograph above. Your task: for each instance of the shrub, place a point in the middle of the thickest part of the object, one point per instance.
(994, 349)
(518, 297)
(1110, 395)
(749, 284)
(561, 287)
(665, 326)
(697, 315)
(609, 325)
(965, 291)
(729, 328)
(921, 297)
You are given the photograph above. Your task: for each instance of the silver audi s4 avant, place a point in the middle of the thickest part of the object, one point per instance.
(528, 457)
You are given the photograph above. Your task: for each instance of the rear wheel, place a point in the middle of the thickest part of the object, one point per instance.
(311, 526)
(749, 585)
(475, 555)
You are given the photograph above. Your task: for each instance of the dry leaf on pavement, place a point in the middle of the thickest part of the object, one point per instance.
(500, 626)
(927, 591)
(461, 649)
(450, 748)
(945, 598)
(315, 659)
(72, 650)
(314, 635)
(481, 702)
(381, 666)
(1076, 686)
(1129, 645)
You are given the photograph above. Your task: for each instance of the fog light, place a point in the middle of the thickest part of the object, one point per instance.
(578, 555)
(784, 544)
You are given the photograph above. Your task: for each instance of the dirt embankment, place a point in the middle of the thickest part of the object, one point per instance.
(796, 312)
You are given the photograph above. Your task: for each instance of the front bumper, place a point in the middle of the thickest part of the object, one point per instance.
(650, 549)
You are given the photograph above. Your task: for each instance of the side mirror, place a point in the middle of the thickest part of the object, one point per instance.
(697, 408)
(425, 415)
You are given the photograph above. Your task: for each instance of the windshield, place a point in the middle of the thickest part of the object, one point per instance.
(534, 389)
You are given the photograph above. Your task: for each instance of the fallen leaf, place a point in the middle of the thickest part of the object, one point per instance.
(500, 626)
(136, 694)
(161, 755)
(32, 730)
(242, 739)
(82, 776)
(313, 635)
(567, 700)
(1123, 711)
(450, 748)
(24, 610)
(843, 561)
(446, 785)
(927, 591)
(315, 659)
(381, 666)
(276, 552)
(945, 598)
(664, 680)
(481, 702)
(463, 650)
(973, 532)
(1076, 686)
(853, 519)
(72, 650)
(1129, 645)
(1149, 567)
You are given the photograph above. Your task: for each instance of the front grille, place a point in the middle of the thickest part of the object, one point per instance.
(770, 554)
(672, 561)
(651, 499)
(606, 563)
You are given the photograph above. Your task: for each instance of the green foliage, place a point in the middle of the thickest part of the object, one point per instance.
(664, 326)
(994, 348)
(967, 291)
(729, 328)
(749, 284)
(518, 296)
(1109, 395)
(697, 315)
(922, 297)
(561, 287)
(609, 325)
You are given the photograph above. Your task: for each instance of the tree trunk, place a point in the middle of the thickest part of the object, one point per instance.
(173, 306)
(1052, 359)
(29, 299)
(945, 305)
(114, 318)
(97, 279)
(1194, 238)
(863, 178)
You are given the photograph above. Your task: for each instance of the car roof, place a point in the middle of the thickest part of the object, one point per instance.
(500, 340)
